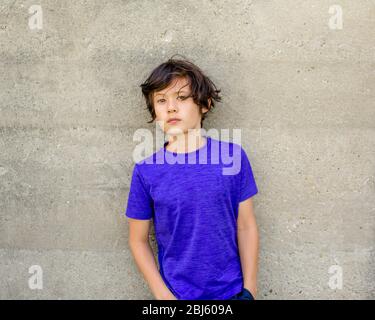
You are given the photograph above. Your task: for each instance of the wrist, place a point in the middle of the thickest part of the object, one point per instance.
(164, 294)
(252, 287)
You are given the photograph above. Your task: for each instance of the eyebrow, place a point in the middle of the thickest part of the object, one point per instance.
(182, 90)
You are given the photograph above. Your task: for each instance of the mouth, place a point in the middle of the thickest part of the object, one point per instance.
(174, 120)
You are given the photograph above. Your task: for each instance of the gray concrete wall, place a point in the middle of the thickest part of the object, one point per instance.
(301, 90)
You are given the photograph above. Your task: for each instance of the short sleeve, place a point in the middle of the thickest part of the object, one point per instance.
(140, 203)
(248, 185)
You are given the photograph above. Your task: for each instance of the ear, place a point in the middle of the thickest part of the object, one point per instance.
(204, 110)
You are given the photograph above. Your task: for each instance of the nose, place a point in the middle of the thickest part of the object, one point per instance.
(171, 107)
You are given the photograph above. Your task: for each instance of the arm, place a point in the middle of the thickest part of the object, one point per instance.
(247, 234)
(144, 258)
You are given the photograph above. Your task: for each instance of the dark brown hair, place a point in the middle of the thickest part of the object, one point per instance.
(202, 88)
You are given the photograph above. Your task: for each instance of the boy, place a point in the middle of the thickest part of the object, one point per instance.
(203, 219)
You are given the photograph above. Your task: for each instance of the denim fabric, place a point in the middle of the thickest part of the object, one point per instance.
(243, 295)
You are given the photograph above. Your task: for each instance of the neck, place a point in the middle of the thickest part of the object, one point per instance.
(187, 142)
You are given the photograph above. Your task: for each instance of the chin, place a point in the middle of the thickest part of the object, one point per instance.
(175, 131)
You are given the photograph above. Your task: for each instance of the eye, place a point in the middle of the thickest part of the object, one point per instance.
(179, 97)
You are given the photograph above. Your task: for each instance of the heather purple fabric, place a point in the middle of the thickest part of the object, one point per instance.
(194, 207)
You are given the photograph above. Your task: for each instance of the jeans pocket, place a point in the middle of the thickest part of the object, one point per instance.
(246, 293)
(243, 295)
(237, 296)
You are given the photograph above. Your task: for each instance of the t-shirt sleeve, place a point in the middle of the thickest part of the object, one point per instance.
(248, 186)
(140, 203)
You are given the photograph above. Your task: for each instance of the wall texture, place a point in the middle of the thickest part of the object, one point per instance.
(300, 88)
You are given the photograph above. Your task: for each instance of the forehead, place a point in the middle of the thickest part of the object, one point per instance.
(177, 85)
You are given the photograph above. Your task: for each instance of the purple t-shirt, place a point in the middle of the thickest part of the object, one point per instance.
(194, 206)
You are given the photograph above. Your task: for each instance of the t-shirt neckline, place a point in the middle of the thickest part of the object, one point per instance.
(181, 154)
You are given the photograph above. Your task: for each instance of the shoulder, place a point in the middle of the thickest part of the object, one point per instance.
(150, 167)
(234, 148)
(149, 160)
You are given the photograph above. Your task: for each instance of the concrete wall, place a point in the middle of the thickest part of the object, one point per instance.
(301, 91)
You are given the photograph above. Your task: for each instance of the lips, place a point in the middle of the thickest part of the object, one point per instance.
(174, 120)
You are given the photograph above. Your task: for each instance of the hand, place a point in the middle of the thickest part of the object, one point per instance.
(166, 296)
(169, 297)
(252, 289)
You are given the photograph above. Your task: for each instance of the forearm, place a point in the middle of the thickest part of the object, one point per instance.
(145, 261)
(248, 245)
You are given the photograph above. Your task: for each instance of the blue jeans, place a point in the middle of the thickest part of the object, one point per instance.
(243, 295)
